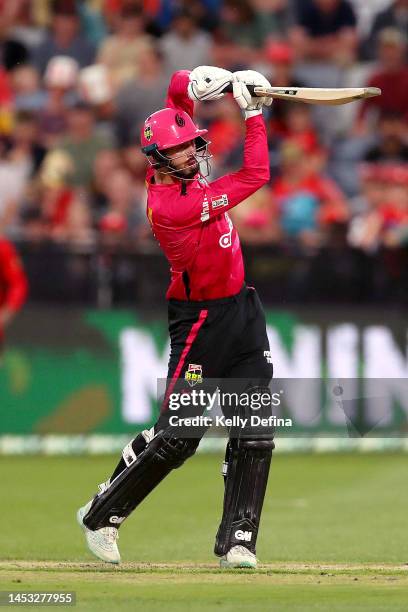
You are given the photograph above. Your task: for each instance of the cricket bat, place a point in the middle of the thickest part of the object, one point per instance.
(315, 95)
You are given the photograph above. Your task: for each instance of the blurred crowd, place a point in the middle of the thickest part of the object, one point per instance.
(78, 78)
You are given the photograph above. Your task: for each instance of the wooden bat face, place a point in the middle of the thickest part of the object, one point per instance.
(315, 95)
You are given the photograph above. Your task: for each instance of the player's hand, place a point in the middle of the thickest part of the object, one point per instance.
(252, 105)
(207, 83)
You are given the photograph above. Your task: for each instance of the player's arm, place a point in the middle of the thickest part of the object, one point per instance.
(15, 281)
(201, 84)
(231, 189)
(177, 93)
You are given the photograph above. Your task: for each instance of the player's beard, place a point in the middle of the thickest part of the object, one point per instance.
(188, 172)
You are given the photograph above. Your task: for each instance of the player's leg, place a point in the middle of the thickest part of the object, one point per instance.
(245, 469)
(249, 450)
(154, 453)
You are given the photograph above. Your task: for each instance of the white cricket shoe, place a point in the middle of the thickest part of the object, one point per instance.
(101, 542)
(239, 556)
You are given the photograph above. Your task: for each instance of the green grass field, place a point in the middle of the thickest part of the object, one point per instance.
(334, 537)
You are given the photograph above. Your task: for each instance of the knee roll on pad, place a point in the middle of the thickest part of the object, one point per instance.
(246, 476)
(142, 474)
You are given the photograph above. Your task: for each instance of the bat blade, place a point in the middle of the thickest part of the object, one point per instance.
(316, 95)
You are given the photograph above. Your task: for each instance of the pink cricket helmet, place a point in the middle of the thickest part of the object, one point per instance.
(168, 128)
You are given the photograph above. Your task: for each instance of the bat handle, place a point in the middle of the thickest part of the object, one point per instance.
(251, 89)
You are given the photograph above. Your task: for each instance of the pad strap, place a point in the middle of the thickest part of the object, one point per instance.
(142, 474)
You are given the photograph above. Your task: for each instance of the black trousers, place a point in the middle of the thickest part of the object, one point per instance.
(216, 343)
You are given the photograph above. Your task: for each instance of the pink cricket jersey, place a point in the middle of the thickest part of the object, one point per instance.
(194, 230)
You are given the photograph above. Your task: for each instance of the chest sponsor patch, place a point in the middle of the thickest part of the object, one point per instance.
(219, 201)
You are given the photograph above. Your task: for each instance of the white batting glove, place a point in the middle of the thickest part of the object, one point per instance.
(207, 83)
(251, 105)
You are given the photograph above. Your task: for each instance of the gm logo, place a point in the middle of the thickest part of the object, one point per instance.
(117, 520)
(245, 536)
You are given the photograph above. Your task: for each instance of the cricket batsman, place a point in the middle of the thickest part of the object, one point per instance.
(216, 322)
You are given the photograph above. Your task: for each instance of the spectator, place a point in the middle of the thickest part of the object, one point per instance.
(121, 52)
(280, 69)
(299, 127)
(394, 16)
(392, 141)
(225, 133)
(307, 201)
(6, 103)
(394, 212)
(256, 219)
(239, 25)
(273, 19)
(237, 40)
(24, 145)
(96, 89)
(12, 52)
(185, 46)
(27, 91)
(60, 80)
(139, 98)
(24, 28)
(123, 212)
(325, 31)
(391, 77)
(106, 162)
(64, 38)
(14, 174)
(370, 193)
(205, 12)
(383, 220)
(13, 286)
(83, 142)
(135, 162)
(55, 210)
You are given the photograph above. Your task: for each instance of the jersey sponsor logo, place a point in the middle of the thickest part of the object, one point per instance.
(194, 374)
(219, 201)
(226, 239)
(244, 536)
(205, 214)
(117, 520)
(148, 132)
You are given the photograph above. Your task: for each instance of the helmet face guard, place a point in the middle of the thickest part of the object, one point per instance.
(169, 128)
(158, 160)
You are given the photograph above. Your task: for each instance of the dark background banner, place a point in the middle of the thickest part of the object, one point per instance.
(68, 370)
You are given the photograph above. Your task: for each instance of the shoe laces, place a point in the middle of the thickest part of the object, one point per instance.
(243, 550)
(111, 534)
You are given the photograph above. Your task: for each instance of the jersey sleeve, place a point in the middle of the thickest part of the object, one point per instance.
(201, 205)
(13, 276)
(177, 96)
